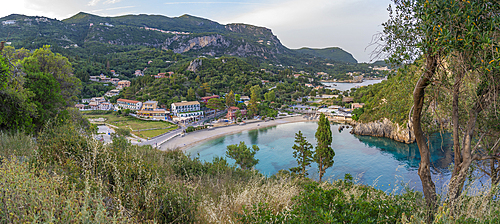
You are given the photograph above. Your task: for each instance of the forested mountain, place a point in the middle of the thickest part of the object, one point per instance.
(156, 44)
(333, 53)
(185, 34)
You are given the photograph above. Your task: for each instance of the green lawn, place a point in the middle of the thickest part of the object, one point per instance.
(153, 133)
(131, 122)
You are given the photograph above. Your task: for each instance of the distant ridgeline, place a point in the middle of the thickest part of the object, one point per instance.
(92, 42)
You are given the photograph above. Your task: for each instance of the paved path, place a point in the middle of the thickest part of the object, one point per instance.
(161, 139)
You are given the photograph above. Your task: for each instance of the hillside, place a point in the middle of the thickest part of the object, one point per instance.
(332, 53)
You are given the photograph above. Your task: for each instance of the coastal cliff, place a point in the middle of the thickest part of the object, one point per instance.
(384, 128)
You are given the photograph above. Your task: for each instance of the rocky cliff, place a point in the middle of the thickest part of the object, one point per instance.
(384, 128)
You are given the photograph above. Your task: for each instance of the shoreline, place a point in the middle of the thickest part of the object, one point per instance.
(198, 137)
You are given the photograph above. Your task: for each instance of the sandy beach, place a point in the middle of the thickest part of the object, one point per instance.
(207, 134)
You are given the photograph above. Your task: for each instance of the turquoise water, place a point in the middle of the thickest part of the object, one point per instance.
(378, 162)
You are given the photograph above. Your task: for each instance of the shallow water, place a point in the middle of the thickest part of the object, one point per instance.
(379, 162)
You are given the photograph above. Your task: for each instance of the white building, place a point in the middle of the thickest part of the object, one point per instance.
(186, 109)
(129, 104)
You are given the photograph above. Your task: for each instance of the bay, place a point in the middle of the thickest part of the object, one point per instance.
(379, 162)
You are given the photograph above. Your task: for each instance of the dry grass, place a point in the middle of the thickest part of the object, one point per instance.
(276, 194)
(31, 195)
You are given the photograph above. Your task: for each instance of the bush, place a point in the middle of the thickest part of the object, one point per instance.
(122, 131)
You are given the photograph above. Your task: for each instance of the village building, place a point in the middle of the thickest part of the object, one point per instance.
(150, 105)
(94, 78)
(129, 104)
(347, 100)
(105, 106)
(150, 110)
(122, 84)
(80, 106)
(357, 105)
(138, 73)
(94, 105)
(113, 92)
(205, 99)
(231, 112)
(86, 100)
(244, 98)
(114, 81)
(98, 99)
(186, 109)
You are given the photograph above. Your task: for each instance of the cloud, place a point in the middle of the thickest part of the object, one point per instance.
(112, 1)
(236, 3)
(93, 2)
(123, 7)
(349, 24)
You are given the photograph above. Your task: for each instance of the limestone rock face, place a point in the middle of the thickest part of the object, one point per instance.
(179, 44)
(384, 128)
(194, 65)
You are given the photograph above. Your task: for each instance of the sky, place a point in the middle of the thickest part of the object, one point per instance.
(348, 24)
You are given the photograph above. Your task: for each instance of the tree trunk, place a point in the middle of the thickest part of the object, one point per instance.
(456, 125)
(458, 178)
(320, 169)
(424, 168)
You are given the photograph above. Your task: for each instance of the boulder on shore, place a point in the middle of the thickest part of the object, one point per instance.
(384, 128)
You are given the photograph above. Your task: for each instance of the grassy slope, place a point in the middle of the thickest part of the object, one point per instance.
(125, 183)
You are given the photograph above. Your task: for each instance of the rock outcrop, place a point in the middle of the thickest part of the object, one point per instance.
(194, 65)
(184, 43)
(384, 128)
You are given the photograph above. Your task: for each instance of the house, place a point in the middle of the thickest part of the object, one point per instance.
(138, 73)
(160, 75)
(94, 105)
(105, 106)
(348, 99)
(357, 105)
(80, 106)
(186, 109)
(8, 22)
(113, 92)
(114, 81)
(309, 85)
(105, 79)
(98, 99)
(231, 112)
(85, 100)
(150, 105)
(296, 75)
(122, 84)
(205, 99)
(129, 104)
(244, 98)
(265, 81)
(94, 78)
(318, 87)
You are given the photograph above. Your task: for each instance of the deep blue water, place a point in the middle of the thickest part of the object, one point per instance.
(379, 162)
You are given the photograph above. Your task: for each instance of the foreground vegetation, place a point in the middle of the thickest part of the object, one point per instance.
(66, 176)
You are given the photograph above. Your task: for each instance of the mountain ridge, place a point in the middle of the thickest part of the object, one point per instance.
(236, 39)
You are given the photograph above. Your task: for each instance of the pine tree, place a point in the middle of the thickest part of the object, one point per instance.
(302, 152)
(230, 99)
(243, 155)
(324, 154)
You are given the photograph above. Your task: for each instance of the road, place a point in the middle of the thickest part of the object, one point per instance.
(158, 140)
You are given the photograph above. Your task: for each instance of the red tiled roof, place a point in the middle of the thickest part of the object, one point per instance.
(210, 97)
(128, 101)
